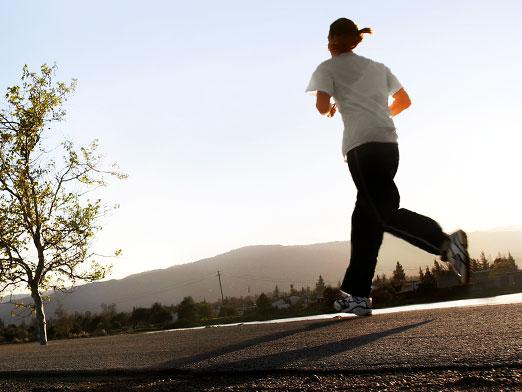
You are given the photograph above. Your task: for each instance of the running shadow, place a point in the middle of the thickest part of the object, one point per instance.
(280, 359)
(182, 362)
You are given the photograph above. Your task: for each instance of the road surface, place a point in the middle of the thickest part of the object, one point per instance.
(475, 347)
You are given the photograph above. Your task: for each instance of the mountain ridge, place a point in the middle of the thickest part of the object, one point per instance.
(253, 269)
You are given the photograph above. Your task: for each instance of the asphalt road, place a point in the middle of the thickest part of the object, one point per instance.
(444, 339)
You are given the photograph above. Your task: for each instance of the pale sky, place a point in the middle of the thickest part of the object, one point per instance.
(203, 105)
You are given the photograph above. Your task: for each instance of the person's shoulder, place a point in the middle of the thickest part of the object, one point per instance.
(371, 61)
(326, 64)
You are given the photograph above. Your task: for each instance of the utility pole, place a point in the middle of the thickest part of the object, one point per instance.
(221, 287)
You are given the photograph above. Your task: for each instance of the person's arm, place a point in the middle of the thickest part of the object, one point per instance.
(401, 101)
(323, 104)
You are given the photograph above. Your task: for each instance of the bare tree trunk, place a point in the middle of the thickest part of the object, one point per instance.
(40, 315)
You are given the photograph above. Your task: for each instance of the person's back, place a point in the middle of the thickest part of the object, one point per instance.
(360, 87)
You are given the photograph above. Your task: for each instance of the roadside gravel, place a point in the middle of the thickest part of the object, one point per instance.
(498, 379)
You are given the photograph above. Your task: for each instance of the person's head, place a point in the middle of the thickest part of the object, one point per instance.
(344, 36)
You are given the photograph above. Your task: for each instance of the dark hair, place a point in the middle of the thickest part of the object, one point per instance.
(344, 35)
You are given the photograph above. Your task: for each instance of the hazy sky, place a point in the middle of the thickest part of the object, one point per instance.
(203, 105)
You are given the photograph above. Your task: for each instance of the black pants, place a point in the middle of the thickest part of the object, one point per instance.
(373, 167)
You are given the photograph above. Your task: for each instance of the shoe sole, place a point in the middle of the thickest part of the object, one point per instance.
(463, 239)
(358, 310)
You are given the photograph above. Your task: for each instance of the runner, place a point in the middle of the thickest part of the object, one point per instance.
(360, 88)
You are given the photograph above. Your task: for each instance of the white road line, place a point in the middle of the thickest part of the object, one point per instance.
(499, 300)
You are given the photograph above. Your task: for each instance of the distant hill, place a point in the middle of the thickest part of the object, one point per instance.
(256, 269)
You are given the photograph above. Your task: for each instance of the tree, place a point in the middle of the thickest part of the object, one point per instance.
(187, 310)
(159, 314)
(308, 291)
(263, 304)
(439, 269)
(428, 282)
(320, 286)
(503, 264)
(398, 276)
(380, 280)
(227, 311)
(511, 261)
(140, 316)
(474, 265)
(377, 281)
(63, 322)
(276, 292)
(421, 274)
(331, 294)
(46, 224)
(204, 310)
(484, 262)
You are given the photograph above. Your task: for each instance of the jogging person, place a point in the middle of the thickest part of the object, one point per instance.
(360, 88)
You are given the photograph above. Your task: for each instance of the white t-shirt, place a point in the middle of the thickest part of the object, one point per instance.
(360, 87)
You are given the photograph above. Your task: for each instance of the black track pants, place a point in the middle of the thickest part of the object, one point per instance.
(373, 167)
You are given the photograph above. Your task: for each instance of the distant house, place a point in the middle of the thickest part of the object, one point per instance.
(409, 286)
(280, 304)
(294, 299)
(447, 280)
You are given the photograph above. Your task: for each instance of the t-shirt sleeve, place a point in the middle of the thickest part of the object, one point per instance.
(322, 80)
(393, 83)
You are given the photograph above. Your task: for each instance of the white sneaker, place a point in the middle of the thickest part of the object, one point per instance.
(360, 306)
(457, 255)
